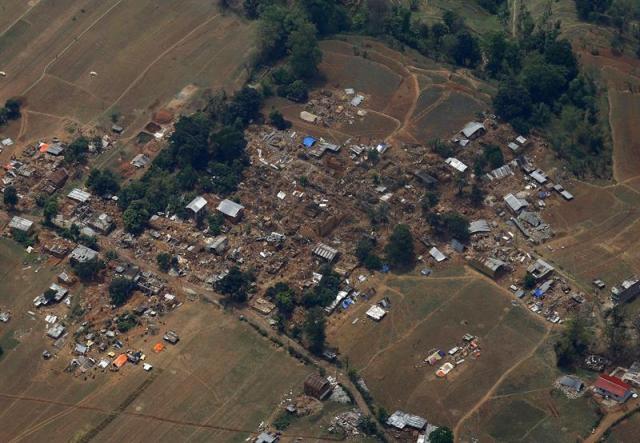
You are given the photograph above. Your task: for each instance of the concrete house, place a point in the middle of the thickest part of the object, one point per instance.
(612, 387)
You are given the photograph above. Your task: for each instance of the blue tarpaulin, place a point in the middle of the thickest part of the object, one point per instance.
(385, 268)
(308, 141)
(538, 293)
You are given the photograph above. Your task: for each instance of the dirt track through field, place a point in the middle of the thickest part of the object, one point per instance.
(70, 407)
(489, 394)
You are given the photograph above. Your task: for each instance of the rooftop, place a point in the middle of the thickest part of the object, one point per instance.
(197, 204)
(230, 208)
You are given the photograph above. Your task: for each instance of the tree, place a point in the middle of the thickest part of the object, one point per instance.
(512, 101)
(88, 270)
(120, 290)
(50, 209)
(476, 196)
(529, 281)
(234, 286)
(493, 155)
(283, 297)
(50, 295)
(76, 152)
(304, 53)
(215, 222)
(465, 50)
(12, 107)
(278, 121)
(314, 328)
(573, 343)
(164, 261)
(429, 201)
(441, 435)
(400, 249)
(102, 182)
(135, 218)
(366, 255)
(10, 197)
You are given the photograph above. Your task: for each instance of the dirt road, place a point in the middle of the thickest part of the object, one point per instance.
(610, 419)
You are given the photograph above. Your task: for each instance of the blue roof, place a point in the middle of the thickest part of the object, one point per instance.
(309, 141)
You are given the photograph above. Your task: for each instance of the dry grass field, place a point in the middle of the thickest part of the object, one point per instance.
(217, 384)
(526, 408)
(429, 313)
(597, 233)
(144, 53)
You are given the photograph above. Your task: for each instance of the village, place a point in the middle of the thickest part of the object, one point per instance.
(304, 202)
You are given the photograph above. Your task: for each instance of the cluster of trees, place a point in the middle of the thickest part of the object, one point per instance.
(291, 32)
(10, 111)
(449, 39)
(120, 290)
(449, 225)
(88, 271)
(400, 250)
(365, 253)
(574, 342)
(76, 152)
(235, 286)
(102, 182)
(166, 261)
(540, 86)
(206, 153)
(313, 301)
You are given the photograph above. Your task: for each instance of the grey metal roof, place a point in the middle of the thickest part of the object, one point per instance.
(197, 204)
(471, 128)
(79, 195)
(515, 203)
(21, 224)
(326, 252)
(400, 420)
(230, 208)
(479, 226)
(539, 176)
(435, 253)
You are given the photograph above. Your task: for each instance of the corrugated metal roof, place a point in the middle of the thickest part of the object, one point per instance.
(79, 195)
(230, 208)
(479, 226)
(197, 204)
(456, 164)
(471, 128)
(326, 252)
(21, 224)
(435, 253)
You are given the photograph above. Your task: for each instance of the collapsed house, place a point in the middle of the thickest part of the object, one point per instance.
(317, 386)
(540, 269)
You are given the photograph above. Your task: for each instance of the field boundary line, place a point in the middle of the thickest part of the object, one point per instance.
(66, 48)
(146, 70)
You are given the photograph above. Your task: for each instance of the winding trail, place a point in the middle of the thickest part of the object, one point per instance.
(490, 392)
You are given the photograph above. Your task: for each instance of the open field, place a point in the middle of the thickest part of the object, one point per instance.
(525, 407)
(597, 234)
(625, 431)
(429, 313)
(144, 54)
(188, 395)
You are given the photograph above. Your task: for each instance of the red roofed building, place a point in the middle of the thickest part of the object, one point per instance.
(612, 387)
